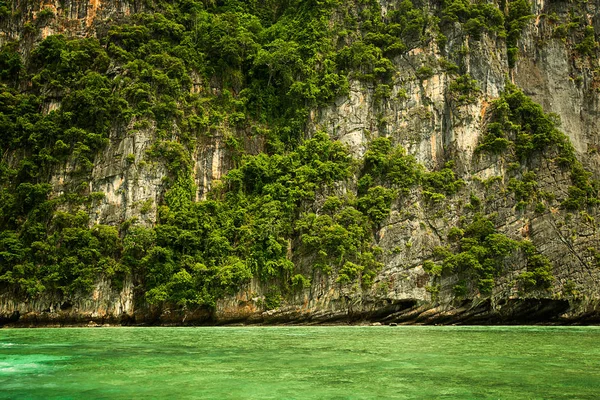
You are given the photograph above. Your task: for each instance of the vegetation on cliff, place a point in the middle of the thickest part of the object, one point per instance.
(190, 70)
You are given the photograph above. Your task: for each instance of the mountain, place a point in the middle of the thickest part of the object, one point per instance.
(305, 161)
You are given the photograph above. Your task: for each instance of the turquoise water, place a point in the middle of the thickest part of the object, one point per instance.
(301, 363)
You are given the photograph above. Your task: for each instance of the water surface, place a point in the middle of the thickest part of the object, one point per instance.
(301, 363)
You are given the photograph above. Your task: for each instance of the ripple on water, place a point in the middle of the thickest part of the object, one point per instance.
(27, 364)
(8, 368)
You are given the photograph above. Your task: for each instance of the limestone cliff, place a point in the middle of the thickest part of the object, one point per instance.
(417, 105)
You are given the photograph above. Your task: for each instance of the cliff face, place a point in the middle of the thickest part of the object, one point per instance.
(437, 99)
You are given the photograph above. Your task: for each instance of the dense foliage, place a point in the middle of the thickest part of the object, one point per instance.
(479, 252)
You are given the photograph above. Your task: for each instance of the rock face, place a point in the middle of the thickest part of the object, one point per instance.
(419, 115)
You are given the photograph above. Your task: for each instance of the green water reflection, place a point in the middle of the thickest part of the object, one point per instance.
(302, 363)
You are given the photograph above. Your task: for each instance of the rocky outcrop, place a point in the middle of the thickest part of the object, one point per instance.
(105, 306)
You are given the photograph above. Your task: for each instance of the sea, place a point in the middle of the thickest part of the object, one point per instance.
(301, 362)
